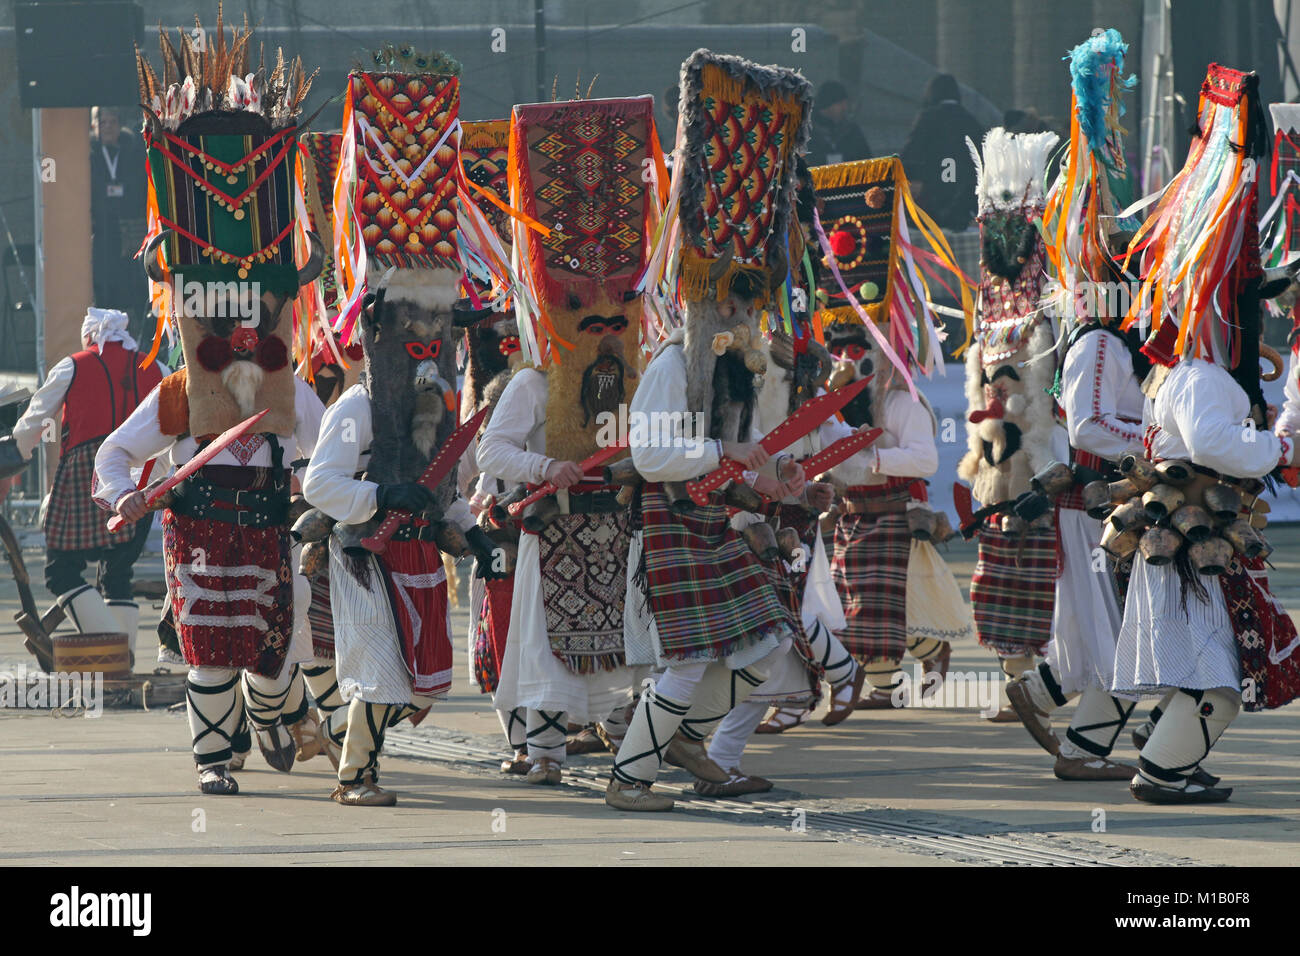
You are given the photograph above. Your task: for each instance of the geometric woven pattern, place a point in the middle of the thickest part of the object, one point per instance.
(485, 156)
(585, 164)
(406, 165)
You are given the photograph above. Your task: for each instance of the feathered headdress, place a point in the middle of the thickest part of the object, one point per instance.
(1092, 186)
(1199, 248)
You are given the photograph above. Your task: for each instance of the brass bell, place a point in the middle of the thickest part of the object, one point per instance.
(1055, 479)
(1122, 490)
(921, 522)
(1162, 501)
(1211, 556)
(1159, 545)
(788, 543)
(1222, 501)
(314, 559)
(943, 530)
(450, 540)
(1139, 471)
(1130, 516)
(1096, 499)
(1014, 524)
(761, 540)
(1118, 544)
(1192, 522)
(1244, 539)
(1176, 472)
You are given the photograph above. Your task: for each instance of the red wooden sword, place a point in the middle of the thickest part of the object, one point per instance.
(806, 417)
(443, 462)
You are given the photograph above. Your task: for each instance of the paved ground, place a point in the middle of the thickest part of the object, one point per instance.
(912, 787)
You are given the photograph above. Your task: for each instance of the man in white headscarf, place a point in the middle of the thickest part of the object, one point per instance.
(84, 398)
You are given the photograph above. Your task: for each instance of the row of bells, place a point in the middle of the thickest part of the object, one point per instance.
(1156, 509)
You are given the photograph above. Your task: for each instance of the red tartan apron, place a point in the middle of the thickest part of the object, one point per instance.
(416, 585)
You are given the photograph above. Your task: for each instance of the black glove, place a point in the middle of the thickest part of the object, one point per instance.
(11, 461)
(485, 555)
(407, 496)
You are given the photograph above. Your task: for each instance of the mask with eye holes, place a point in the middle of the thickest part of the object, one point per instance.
(407, 337)
(492, 354)
(855, 355)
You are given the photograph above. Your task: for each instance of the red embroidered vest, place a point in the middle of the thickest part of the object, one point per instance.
(106, 387)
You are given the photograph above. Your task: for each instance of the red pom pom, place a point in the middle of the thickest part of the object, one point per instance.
(272, 354)
(354, 352)
(841, 243)
(214, 353)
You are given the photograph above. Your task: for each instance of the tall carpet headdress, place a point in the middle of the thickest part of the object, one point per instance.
(221, 165)
(579, 166)
(874, 272)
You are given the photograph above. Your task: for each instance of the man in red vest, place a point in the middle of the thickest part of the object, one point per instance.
(91, 392)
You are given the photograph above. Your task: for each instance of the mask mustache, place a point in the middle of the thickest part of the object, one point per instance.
(242, 379)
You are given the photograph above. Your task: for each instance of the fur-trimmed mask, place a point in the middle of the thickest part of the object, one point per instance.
(725, 363)
(855, 354)
(493, 350)
(589, 382)
(409, 345)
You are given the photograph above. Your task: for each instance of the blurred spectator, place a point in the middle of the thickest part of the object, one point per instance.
(835, 137)
(936, 159)
(1028, 121)
(117, 213)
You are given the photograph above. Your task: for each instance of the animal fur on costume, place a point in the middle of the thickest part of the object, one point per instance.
(723, 368)
(1004, 453)
(408, 396)
(590, 381)
(485, 363)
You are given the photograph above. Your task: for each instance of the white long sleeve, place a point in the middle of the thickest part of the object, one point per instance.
(1101, 397)
(346, 430)
(45, 406)
(133, 443)
(308, 412)
(669, 454)
(1288, 418)
(341, 452)
(1200, 410)
(915, 453)
(513, 446)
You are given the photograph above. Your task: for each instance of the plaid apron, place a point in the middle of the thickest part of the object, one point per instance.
(869, 568)
(1013, 591)
(1263, 631)
(708, 592)
(73, 522)
(583, 560)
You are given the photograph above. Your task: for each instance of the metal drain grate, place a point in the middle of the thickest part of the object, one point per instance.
(926, 838)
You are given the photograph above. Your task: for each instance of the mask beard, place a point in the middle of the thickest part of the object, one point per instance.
(602, 387)
(242, 379)
(429, 409)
